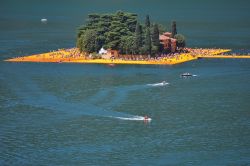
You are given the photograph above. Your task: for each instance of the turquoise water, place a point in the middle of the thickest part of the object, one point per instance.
(76, 114)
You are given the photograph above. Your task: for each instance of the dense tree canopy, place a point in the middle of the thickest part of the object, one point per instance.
(109, 28)
(155, 39)
(148, 42)
(180, 40)
(121, 31)
(138, 38)
(88, 41)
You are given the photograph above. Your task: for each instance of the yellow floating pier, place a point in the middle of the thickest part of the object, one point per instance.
(226, 56)
(74, 56)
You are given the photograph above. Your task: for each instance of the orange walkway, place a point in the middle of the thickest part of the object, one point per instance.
(73, 56)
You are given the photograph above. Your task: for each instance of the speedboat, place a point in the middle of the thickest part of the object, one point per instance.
(186, 75)
(163, 83)
(44, 20)
(146, 118)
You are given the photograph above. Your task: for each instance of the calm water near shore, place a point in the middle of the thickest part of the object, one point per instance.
(78, 114)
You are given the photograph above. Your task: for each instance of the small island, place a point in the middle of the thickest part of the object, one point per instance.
(120, 38)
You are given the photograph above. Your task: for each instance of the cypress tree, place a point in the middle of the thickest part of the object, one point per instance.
(174, 30)
(147, 22)
(138, 37)
(155, 40)
(155, 36)
(148, 46)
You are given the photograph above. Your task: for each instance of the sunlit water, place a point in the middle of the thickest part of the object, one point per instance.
(71, 113)
(77, 114)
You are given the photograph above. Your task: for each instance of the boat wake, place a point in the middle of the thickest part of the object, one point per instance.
(163, 83)
(30, 93)
(133, 118)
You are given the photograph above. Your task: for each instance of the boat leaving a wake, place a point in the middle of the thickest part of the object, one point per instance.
(188, 75)
(163, 83)
(135, 118)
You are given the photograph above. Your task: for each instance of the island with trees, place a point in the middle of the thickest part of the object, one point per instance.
(122, 32)
(120, 38)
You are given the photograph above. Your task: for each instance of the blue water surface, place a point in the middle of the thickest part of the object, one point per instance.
(83, 114)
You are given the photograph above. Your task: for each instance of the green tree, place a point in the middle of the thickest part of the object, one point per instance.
(148, 43)
(154, 50)
(109, 28)
(180, 40)
(147, 22)
(127, 45)
(79, 43)
(162, 28)
(138, 37)
(155, 39)
(174, 30)
(88, 41)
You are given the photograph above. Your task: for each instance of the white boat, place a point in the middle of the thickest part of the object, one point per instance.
(163, 83)
(44, 20)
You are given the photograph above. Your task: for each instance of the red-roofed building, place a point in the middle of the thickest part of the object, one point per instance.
(168, 34)
(167, 41)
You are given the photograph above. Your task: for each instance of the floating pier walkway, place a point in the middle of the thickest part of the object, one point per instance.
(74, 56)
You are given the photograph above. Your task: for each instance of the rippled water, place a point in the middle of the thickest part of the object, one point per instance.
(68, 114)
(77, 114)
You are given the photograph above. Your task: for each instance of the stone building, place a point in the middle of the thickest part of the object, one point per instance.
(168, 42)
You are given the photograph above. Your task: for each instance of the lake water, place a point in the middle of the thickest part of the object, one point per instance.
(78, 114)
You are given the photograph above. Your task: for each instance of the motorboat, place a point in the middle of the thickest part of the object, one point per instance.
(44, 20)
(186, 75)
(163, 83)
(146, 118)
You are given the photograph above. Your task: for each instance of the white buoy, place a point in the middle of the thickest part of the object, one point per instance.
(44, 20)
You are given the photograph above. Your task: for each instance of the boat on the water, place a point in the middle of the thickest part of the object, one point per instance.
(187, 75)
(44, 20)
(163, 83)
(146, 118)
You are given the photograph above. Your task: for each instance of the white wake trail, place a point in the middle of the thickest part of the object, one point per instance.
(134, 118)
(159, 84)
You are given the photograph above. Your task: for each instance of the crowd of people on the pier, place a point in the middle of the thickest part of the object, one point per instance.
(66, 53)
(180, 55)
(205, 52)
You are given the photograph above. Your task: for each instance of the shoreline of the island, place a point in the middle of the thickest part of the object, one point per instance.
(73, 56)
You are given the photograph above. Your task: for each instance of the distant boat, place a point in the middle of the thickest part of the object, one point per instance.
(44, 20)
(187, 75)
